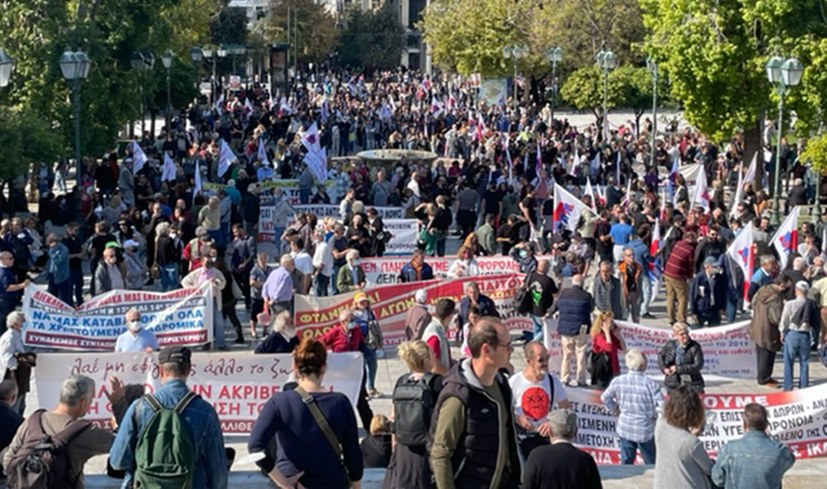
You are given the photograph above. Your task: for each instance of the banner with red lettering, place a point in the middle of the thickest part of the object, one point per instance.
(180, 317)
(727, 350)
(380, 271)
(236, 384)
(390, 303)
(797, 418)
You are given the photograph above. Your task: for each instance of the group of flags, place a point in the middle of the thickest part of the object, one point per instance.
(316, 157)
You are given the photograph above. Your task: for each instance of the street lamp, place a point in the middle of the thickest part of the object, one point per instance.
(166, 60)
(554, 55)
(6, 67)
(211, 53)
(142, 62)
(197, 56)
(652, 65)
(514, 52)
(607, 61)
(75, 67)
(783, 73)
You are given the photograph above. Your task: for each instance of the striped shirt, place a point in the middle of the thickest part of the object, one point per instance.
(639, 399)
(681, 263)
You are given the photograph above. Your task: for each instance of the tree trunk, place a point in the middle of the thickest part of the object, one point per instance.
(752, 144)
(152, 115)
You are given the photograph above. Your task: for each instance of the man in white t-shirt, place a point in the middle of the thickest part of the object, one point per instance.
(535, 393)
(301, 258)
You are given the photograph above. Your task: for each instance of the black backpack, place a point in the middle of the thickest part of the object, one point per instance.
(43, 460)
(413, 405)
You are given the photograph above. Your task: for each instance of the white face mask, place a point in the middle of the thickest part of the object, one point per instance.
(354, 263)
(289, 333)
(134, 326)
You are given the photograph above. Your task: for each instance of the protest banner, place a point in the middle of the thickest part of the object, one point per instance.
(727, 350)
(180, 317)
(385, 270)
(797, 418)
(403, 236)
(315, 315)
(267, 233)
(236, 384)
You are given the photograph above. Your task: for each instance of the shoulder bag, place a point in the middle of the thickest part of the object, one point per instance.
(324, 426)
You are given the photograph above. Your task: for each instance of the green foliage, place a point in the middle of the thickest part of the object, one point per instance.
(584, 89)
(816, 153)
(372, 39)
(25, 139)
(229, 26)
(315, 27)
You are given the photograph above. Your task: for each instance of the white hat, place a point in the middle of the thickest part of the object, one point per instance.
(131, 243)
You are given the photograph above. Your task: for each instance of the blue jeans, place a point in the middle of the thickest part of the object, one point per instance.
(646, 284)
(169, 277)
(629, 448)
(539, 324)
(322, 282)
(370, 363)
(304, 195)
(731, 310)
(796, 344)
(218, 327)
(334, 289)
(279, 233)
(76, 281)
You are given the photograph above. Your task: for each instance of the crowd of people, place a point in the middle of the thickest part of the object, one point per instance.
(176, 211)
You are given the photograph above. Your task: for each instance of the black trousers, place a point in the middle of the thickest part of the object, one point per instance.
(766, 361)
(529, 443)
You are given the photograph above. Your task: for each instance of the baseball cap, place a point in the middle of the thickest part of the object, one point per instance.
(175, 354)
(360, 296)
(710, 260)
(131, 243)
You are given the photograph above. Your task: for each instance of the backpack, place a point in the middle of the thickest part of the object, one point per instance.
(413, 405)
(374, 340)
(43, 461)
(165, 454)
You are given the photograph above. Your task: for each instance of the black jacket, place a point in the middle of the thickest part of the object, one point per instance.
(376, 450)
(561, 466)
(689, 372)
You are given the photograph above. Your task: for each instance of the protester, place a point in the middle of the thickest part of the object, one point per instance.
(768, 306)
(282, 339)
(636, 400)
(351, 276)
(607, 291)
(542, 290)
(682, 360)
(167, 256)
(797, 319)
(16, 362)
(473, 297)
(136, 338)
(230, 295)
(10, 289)
(258, 276)
(707, 294)
(306, 422)
(376, 447)
(607, 341)
(208, 274)
(536, 393)
(277, 291)
(416, 270)
(366, 320)
(202, 431)
(418, 317)
(679, 269)
(243, 258)
(763, 276)
(322, 264)
(475, 398)
(109, 275)
(414, 399)
(754, 460)
(575, 306)
(84, 440)
(682, 461)
(137, 273)
(10, 420)
(631, 276)
(435, 335)
(560, 465)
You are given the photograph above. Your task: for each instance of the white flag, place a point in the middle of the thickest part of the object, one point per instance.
(701, 197)
(198, 187)
(741, 251)
(139, 158)
(262, 153)
(226, 157)
(785, 240)
(567, 210)
(590, 193)
(168, 173)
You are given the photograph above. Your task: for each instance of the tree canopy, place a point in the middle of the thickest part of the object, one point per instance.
(372, 39)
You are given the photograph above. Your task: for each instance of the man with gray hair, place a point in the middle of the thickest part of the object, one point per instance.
(638, 400)
(136, 338)
(561, 465)
(15, 362)
(76, 397)
(763, 276)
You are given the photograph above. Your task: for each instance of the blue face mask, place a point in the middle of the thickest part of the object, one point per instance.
(351, 326)
(523, 253)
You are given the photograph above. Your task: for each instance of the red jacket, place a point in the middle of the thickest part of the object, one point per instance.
(681, 263)
(338, 341)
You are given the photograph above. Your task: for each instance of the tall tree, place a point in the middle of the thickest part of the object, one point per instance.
(372, 39)
(315, 28)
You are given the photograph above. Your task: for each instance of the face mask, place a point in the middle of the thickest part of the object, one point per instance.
(173, 235)
(523, 254)
(289, 333)
(351, 326)
(354, 263)
(134, 326)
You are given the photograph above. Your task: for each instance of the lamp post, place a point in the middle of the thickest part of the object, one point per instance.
(514, 52)
(607, 61)
(142, 62)
(75, 67)
(211, 53)
(166, 60)
(197, 55)
(782, 73)
(6, 67)
(652, 65)
(554, 55)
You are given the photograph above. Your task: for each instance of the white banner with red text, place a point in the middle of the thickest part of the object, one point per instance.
(379, 271)
(266, 215)
(315, 315)
(727, 350)
(236, 384)
(797, 418)
(180, 317)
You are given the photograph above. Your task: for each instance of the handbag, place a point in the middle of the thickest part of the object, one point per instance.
(323, 425)
(601, 369)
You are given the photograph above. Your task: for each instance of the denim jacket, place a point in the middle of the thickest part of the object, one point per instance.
(202, 420)
(753, 461)
(58, 266)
